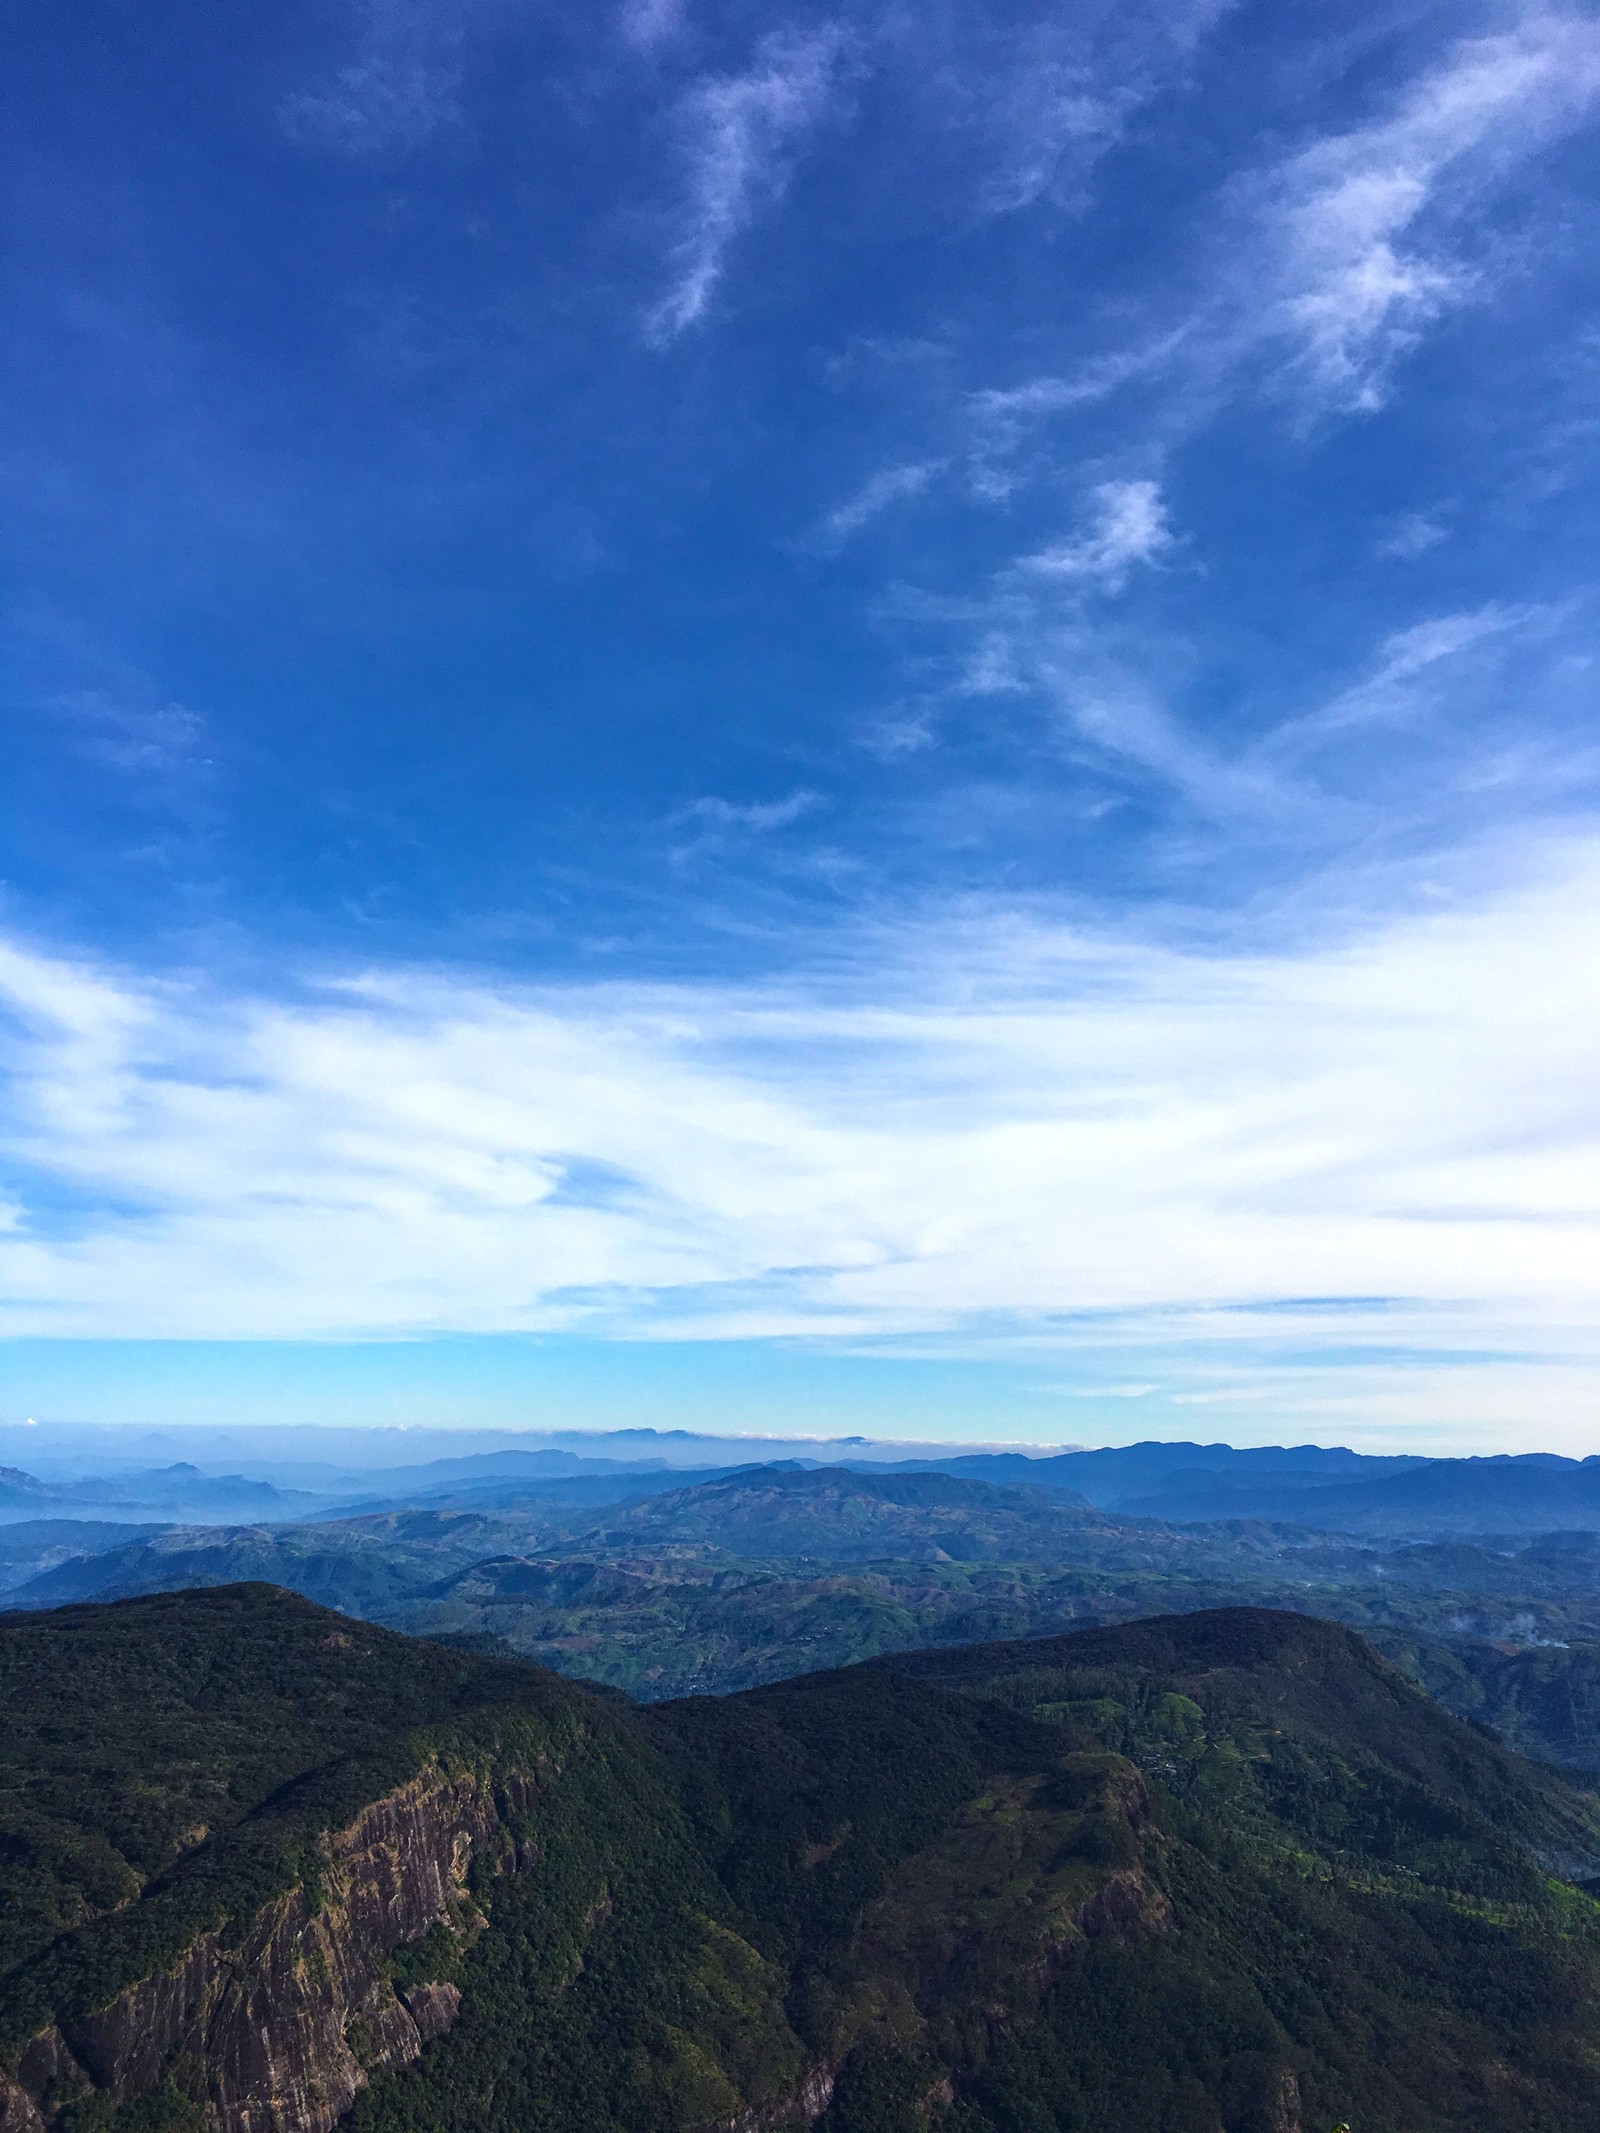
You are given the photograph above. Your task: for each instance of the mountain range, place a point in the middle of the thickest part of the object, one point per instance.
(264, 1865)
(1325, 1489)
(776, 1571)
(1530, 1494)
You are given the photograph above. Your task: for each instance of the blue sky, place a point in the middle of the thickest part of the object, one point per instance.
(881, 713)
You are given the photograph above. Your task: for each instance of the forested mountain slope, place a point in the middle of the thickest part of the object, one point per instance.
(654, 1599)
(843, 1512)
(269, 1868)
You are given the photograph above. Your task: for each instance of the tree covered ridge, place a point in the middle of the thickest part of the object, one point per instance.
(833, 1568)
(1220, 1873)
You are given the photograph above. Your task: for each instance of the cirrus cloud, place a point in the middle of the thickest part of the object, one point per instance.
(1130, 526)
(1358, 226)
(740, 132)
(984, 1129)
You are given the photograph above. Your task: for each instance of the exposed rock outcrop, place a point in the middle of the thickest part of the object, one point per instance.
(803, 2108)
(1128, 1905)
(286, 2025)
(1284, 2110)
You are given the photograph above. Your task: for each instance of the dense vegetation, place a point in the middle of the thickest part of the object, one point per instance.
(165, 1766)
(656, 1599)
(1224, 1873)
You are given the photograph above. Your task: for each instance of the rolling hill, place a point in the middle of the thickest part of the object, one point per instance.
(847, 1566)
(845, 1513)
(360, 1566)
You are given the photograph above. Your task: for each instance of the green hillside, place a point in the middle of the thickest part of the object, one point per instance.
(168, 1762)
(840, 1512)
(1221, 1873)
(655, 1599)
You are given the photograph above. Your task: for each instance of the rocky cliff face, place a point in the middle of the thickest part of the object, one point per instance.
(803, 2108)
(277, 2033)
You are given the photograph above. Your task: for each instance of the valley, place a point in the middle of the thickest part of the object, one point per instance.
(720, 1584)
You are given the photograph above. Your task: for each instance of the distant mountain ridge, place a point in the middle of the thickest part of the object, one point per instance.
(1529, 1493)
(1479, 1575)
(1106, 1478)
(494, 1481)
(1328, 1488)
(180, 1491)
(849, 1512)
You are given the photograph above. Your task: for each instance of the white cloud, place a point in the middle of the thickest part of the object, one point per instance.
(907, 730)
(1129, 722)
(740, 132)
(1028, 637)
(995, 666)
(1424, 644)
(1333, 262)
(134, 731)
(751, 814)
(398, 89)
(1003, 408)
(987, 1131)
(1358, 227)
(649, 24)
(1130, 526)
(889, 486)
(1051, 97)
(1407, 674)
(1412, 535)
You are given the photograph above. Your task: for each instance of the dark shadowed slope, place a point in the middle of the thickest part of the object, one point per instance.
(1227, 1874)
(1315, 1680)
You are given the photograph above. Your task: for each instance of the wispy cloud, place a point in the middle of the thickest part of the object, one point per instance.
(983, 1128)
(1328, 266)
(1320, 272)
(889, 486)
(647, 25)
(400, 87)
(903, 731)
(1043, 96)
(151, 740)
(1121, 715)
(1002, 407)
(1027, 635)
(740, 132)
(751, 814)
(1424, 644)
(1412, 535)
(1129, 526)
(1441, 723)
(1406, 676)
(716, 828)
(1359, 227)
